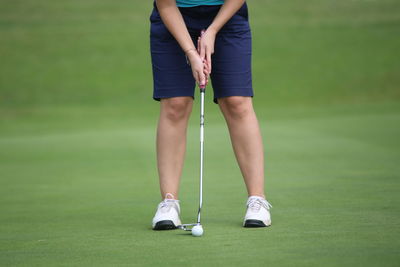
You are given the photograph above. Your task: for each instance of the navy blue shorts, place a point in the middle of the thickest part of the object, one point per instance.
(231, 61)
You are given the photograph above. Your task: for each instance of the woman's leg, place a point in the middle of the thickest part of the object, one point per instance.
(171, 142)
(246, 140)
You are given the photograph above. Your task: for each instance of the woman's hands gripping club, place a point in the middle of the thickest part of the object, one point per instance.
(200, 60)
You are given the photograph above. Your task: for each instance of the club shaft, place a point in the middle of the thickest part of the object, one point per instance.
(202, 93)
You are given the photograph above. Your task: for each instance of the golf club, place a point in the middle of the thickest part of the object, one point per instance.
(192, 226)
(196, 228)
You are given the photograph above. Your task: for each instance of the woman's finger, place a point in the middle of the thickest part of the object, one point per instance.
(208, 59)
(196, 77)
(202, 51)
(202, 79)
(206, 72)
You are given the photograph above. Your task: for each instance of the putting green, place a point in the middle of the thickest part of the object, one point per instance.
(85, 195)
(78, 178)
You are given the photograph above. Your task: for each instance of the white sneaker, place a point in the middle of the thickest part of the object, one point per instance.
(257, 214)
(167, 215)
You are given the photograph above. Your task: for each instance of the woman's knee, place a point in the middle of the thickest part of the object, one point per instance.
(176, 108)
(236, 107)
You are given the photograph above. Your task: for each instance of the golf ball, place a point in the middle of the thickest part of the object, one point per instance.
(197, 230)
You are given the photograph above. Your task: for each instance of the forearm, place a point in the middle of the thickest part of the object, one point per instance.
(173, 20)
(228, 9)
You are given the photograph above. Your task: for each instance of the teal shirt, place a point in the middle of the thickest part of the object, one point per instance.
(190, 3)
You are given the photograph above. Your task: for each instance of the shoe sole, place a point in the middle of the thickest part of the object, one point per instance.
(164, 225)
(254, 224)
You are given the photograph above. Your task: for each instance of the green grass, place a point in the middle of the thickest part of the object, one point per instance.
(86, 195)
(96, 52)
(78, 178)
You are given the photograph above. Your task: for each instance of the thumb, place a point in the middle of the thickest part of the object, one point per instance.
(202, 79)
(202, 51)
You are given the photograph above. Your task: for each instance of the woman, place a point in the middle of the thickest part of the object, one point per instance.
(224, 54)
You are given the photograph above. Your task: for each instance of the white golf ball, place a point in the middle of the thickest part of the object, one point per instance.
(197, 230)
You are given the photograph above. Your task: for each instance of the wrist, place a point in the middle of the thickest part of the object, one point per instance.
(190, 54)
(212, 29)
(190, 51)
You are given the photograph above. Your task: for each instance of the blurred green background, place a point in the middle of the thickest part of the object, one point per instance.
(78, 179)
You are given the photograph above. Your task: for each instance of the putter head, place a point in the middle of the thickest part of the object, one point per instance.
(187, 227)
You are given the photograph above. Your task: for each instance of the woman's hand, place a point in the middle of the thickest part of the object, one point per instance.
(197, 65)
(206, 47)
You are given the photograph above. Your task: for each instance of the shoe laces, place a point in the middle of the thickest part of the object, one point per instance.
(167, 203)
(255, 203)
